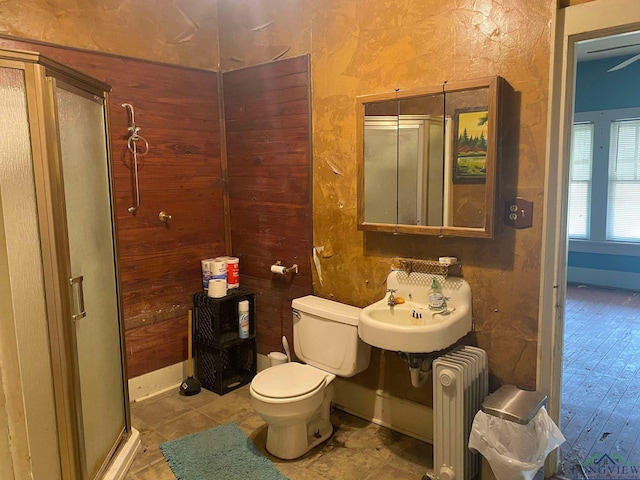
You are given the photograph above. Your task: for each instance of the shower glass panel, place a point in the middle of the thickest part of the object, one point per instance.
(19, 212)
(88, 210)
(395, 168)
(381, 166)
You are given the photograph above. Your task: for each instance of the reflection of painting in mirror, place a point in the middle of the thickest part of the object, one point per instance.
(471, 126)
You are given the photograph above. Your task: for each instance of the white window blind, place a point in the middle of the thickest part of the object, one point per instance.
(623, 208)
(580, 180)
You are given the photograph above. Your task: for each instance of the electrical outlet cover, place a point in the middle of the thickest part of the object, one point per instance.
(519, 213)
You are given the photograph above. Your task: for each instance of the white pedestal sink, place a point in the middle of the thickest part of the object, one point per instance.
(412, 327)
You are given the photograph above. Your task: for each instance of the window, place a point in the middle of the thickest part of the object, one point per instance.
(623, 207)
(580, 180)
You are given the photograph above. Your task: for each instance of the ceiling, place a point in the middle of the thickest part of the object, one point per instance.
(624, 44)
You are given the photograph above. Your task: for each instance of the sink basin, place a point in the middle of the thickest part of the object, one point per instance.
(412, 327)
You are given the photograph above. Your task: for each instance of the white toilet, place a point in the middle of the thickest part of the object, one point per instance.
(293, 398)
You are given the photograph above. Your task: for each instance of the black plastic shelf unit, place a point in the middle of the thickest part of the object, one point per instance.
(222, 370)
(215, 320)
(224, 361)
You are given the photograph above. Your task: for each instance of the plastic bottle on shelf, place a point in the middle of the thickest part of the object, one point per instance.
(243, 319)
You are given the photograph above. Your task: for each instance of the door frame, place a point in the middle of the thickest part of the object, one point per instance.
(593, 19)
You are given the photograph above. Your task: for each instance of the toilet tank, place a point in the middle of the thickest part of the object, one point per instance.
(325, 335)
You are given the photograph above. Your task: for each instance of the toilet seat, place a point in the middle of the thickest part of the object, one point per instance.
(289, 380)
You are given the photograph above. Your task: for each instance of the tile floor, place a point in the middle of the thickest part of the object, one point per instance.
(358, 450)
(600, 408)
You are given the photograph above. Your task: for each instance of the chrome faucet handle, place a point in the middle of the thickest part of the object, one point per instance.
(392, 299)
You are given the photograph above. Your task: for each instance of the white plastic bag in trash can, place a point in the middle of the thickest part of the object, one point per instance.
(515, 451)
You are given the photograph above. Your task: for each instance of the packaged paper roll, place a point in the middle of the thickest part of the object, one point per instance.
(233, 272)
(219, 268)
(207, 273)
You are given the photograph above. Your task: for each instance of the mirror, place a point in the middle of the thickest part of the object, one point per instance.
(427, 159)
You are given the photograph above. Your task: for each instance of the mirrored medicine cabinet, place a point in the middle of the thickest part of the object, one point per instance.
(427, 159)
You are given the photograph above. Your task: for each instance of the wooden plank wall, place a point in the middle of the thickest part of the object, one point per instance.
(267, 119)
(177, 111)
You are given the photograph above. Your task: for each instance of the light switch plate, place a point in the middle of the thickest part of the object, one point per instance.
(519, 213)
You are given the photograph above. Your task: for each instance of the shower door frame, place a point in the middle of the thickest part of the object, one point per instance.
(45, 147)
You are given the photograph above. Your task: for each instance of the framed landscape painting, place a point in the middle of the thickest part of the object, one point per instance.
(470, 145)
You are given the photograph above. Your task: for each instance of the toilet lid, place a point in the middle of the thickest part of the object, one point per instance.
(288, 380)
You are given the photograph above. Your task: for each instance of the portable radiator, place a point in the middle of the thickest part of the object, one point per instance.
(460, 384)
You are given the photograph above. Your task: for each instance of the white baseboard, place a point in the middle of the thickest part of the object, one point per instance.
(156, 382)
(121, 464)
(380, 407)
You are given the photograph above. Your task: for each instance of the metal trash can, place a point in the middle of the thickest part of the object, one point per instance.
(514, 432)
(513, 404)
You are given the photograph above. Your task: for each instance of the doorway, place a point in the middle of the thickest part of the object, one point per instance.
(602, 312)
(574, 24)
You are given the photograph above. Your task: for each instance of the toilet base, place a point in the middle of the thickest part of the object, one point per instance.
(289, 440)
(293, 441)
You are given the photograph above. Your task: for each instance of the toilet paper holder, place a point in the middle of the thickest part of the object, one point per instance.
(281, 269)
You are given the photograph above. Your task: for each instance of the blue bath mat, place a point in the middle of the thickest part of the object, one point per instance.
(220, 453)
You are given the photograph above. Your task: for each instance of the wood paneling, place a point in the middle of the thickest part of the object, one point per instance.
(177, 111)
(267, 117)
(155, 346)
(267, 124)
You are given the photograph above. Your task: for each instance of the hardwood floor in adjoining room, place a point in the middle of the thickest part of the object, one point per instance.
(600, 415)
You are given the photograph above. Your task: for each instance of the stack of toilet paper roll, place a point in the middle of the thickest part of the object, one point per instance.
(220, 271)
(213, 269)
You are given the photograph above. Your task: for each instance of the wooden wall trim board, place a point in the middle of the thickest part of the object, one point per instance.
(267, 121)
(223, 166)
(178, 113)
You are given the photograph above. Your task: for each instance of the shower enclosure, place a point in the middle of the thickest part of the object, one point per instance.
(61, 276)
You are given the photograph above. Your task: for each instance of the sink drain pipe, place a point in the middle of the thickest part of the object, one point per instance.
(419, 367)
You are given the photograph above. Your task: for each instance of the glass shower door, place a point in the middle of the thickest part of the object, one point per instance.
(85, 172)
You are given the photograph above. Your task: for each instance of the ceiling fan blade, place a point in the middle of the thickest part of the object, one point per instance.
(624, 64)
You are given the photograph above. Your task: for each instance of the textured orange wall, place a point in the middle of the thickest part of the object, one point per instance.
(182, 32)
(371, 46)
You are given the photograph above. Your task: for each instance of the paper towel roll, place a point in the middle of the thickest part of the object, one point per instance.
(279, 269)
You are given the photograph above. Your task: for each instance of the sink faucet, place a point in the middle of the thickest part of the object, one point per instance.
(392, 299)
(444, 309)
